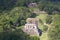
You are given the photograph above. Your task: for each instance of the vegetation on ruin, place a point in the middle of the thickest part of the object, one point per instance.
(13, 15)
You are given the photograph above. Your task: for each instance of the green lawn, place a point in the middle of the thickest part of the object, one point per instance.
(44, 36)
(42, 17)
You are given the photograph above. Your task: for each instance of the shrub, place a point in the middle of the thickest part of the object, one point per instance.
(44, 28)
(54, 33)
(16, 35)
(49, 19)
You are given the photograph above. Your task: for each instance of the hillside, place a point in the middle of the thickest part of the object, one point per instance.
(50, 29)
(14, 13)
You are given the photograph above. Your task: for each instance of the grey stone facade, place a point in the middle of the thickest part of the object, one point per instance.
(31, 27)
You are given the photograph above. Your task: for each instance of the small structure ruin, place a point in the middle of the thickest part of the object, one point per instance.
(31, 27)
(32, 5)
(36, 10)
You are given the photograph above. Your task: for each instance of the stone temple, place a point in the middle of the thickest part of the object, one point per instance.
(31, 27)
(33, 21)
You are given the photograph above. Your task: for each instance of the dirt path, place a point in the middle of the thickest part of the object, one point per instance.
(49, 26)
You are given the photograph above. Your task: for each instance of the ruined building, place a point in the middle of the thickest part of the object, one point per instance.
(31, 27)
(32, 5)
(33, 21)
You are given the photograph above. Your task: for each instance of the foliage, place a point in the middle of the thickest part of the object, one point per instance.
(42, 17)
(15, 18)
(49, 19)
(13, 13)
(54, 33)
(44, 28)
(47, 5)
(35, 38)
(16, 35)
(56, 20)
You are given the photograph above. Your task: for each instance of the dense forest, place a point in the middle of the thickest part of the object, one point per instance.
(46, 5)
(13, 15)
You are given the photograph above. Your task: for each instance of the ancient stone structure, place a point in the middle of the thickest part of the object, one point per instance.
(33, 21)
(31, 27)
(32, 5)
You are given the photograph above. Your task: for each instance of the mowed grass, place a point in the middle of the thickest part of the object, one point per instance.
(42, 17)
(44, 36)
